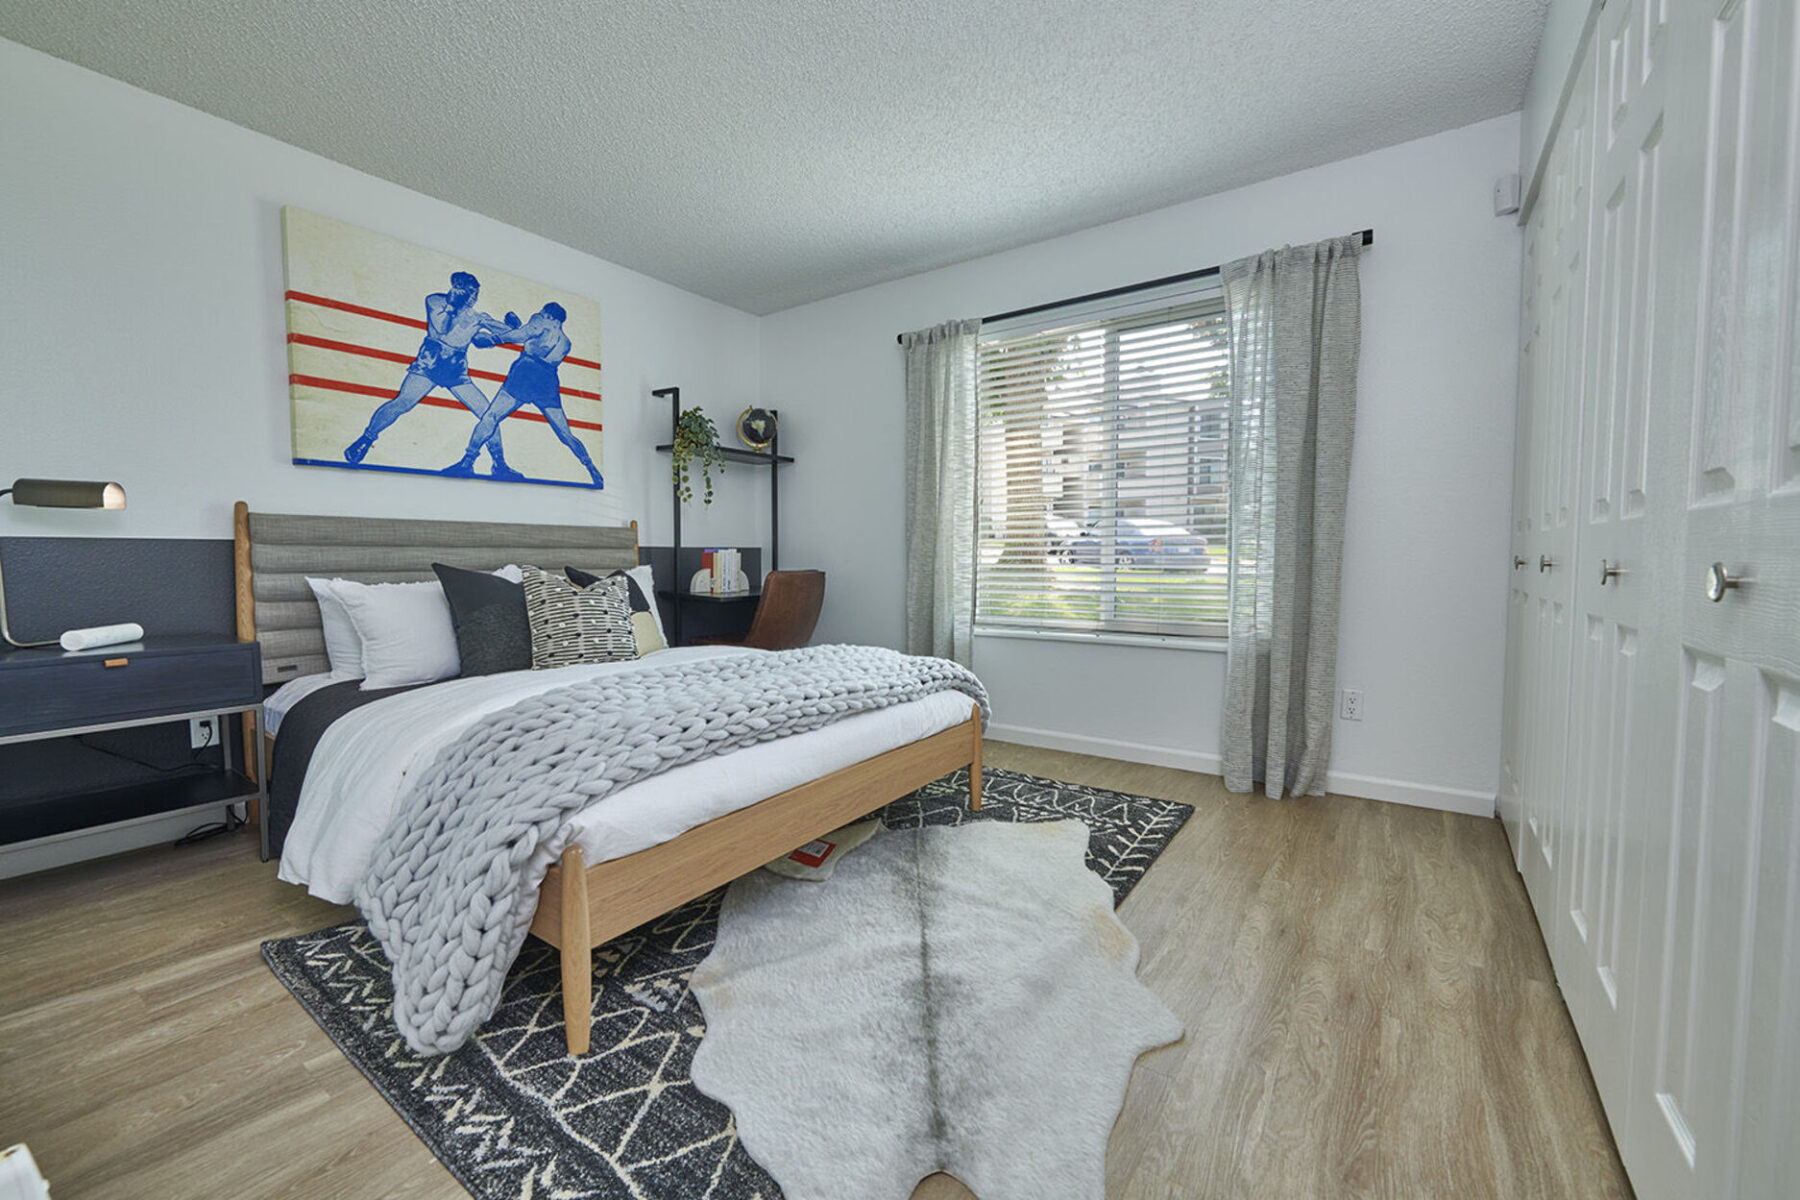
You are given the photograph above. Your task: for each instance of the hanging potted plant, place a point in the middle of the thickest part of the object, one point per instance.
(696, 438)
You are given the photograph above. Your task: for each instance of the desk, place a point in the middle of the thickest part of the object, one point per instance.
(48, 694)
(707, 615)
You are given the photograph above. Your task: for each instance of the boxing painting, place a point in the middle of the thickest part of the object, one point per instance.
(404, 359)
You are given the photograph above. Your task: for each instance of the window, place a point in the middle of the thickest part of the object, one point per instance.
(1101, 455)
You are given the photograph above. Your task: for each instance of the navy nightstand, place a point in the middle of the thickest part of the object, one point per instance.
(48, 694)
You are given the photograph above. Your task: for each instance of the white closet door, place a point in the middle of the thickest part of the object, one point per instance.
(1520, 679)
(1618, 754)
(1554, 464)
(1713, 1107)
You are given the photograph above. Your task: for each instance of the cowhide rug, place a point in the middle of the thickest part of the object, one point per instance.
(953, 999)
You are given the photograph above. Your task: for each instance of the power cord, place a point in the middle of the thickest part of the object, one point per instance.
(231, 822)
(194, 766)
(191, 765)
(199, 834)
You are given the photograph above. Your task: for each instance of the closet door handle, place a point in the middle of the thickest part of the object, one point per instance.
(1544, 563)
(1517, 562)
(1609, 571)
(1719, 581)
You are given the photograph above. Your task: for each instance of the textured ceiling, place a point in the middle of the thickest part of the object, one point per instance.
(770, 152)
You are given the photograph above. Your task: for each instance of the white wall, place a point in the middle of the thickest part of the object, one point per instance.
(143, 333)
(1423, 621)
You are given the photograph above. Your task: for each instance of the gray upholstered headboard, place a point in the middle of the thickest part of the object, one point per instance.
(277, 551)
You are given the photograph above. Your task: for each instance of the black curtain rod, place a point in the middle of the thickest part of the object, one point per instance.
(1368, 239)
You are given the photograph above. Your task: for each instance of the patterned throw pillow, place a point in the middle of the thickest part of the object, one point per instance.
(571, 625)
(645, 622)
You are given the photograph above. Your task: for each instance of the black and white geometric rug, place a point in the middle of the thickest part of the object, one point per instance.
(512, 1115)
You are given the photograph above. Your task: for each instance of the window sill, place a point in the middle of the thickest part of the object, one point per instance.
(1148, 641)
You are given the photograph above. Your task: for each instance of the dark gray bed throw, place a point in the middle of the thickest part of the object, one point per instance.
(447, 892)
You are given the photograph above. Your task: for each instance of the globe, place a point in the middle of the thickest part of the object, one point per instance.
(756, 428)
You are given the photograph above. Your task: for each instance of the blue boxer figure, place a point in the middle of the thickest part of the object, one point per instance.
(453, 324)
(533, 379)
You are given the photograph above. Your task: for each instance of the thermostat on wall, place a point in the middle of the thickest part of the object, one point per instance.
(1506, 195)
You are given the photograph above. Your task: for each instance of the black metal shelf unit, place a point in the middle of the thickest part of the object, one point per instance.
(772, 459)
(733, 454)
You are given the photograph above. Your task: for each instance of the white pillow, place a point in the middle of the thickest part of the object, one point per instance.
(406, 631)
(342, 645)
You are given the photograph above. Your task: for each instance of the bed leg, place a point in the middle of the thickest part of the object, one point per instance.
(577, 952)
(975, 763)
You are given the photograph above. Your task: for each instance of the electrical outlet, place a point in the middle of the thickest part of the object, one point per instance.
(203, 732)
(1350, 707)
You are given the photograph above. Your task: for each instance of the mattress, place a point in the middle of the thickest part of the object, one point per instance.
(365, 758)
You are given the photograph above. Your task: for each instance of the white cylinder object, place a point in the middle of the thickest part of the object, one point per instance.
(101, 635)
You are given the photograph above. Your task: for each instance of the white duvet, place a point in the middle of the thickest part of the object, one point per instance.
(364, 761)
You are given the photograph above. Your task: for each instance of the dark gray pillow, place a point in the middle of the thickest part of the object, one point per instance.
(488, 613)
(582, 579)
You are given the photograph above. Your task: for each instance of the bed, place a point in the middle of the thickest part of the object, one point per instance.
(580, 906)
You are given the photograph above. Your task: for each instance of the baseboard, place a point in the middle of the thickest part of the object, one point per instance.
(1419, 795)
(1368, 787)
(1079, 743)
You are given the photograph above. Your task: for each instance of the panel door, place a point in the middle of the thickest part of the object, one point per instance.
(1553, 468)
(1520, 680)
(1617, 755)
(1713, 1109)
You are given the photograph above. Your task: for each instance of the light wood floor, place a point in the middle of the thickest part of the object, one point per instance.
(1369, 1011)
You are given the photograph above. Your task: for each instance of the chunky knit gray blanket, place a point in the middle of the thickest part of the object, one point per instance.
(450, 892)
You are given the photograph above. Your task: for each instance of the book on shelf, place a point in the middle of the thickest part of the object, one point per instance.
(720, 567)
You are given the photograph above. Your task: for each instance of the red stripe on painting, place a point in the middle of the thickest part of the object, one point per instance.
(409, 322)
(363, 389)
(306, 339)
(360, 389)
(302, 339)
(569, 358)
(359, 310)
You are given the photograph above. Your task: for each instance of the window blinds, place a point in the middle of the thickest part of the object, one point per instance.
(1101, 442)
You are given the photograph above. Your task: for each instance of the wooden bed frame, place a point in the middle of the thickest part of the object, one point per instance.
(581, 907)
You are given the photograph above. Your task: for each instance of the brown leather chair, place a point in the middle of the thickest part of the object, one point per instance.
(786, 614)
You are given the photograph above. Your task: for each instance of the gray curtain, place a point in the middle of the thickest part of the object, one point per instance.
(1296, 322)
(940, 489)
